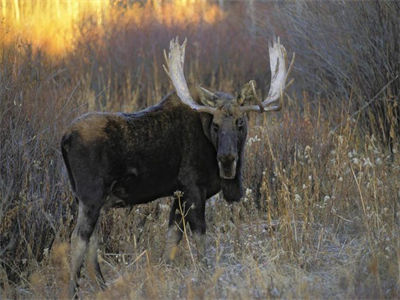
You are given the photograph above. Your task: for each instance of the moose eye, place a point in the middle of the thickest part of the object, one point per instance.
(240, 123)
(215, 127)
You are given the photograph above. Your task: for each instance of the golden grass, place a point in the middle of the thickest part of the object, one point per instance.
(326, 226)
(52, 26)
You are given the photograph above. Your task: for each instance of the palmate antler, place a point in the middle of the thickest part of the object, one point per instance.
(279, 74)
(174, 69)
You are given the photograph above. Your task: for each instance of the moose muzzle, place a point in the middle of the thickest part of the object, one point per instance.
(227, 166)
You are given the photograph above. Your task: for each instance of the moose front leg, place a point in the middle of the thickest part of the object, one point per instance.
(197, 221)
(189, 207)
(174, 234)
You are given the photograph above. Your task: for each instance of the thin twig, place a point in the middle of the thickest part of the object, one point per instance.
(368, 103)
(185, 230)
(137, 258)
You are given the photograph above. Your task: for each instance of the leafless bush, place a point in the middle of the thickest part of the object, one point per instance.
(349, 51)
(32, 192)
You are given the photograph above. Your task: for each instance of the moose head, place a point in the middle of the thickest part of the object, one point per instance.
(225, 122)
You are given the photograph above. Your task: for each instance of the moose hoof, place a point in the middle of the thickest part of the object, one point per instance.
(101, 284)
(73, 290)
(170, 254)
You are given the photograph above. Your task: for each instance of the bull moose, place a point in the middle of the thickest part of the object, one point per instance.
(123, 159)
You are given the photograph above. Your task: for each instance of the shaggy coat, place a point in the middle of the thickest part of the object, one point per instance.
(120, 159)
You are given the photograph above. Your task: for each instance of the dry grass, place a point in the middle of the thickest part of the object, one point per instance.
(320, 218)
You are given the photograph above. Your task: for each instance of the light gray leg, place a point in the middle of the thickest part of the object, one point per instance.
(86, 222)
(174, 235)
(92, 259)
(200, 242)
(78, 249)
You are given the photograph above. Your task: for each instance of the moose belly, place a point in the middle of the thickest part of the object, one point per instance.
(144, 187)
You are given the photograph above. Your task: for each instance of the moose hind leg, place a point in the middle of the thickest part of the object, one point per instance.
(93, 262)
(87, 219)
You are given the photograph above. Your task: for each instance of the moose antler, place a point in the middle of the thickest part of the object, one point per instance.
(174, 61)
(279, 74)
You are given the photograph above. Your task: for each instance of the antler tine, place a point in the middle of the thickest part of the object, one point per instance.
(174, 69)
(279, 74)
(259, 102)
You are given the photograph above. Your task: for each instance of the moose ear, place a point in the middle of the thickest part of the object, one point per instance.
(247, 92)
(206, 120)
(207, 97)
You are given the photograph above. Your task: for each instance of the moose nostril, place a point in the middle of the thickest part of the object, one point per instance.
(226, 159)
